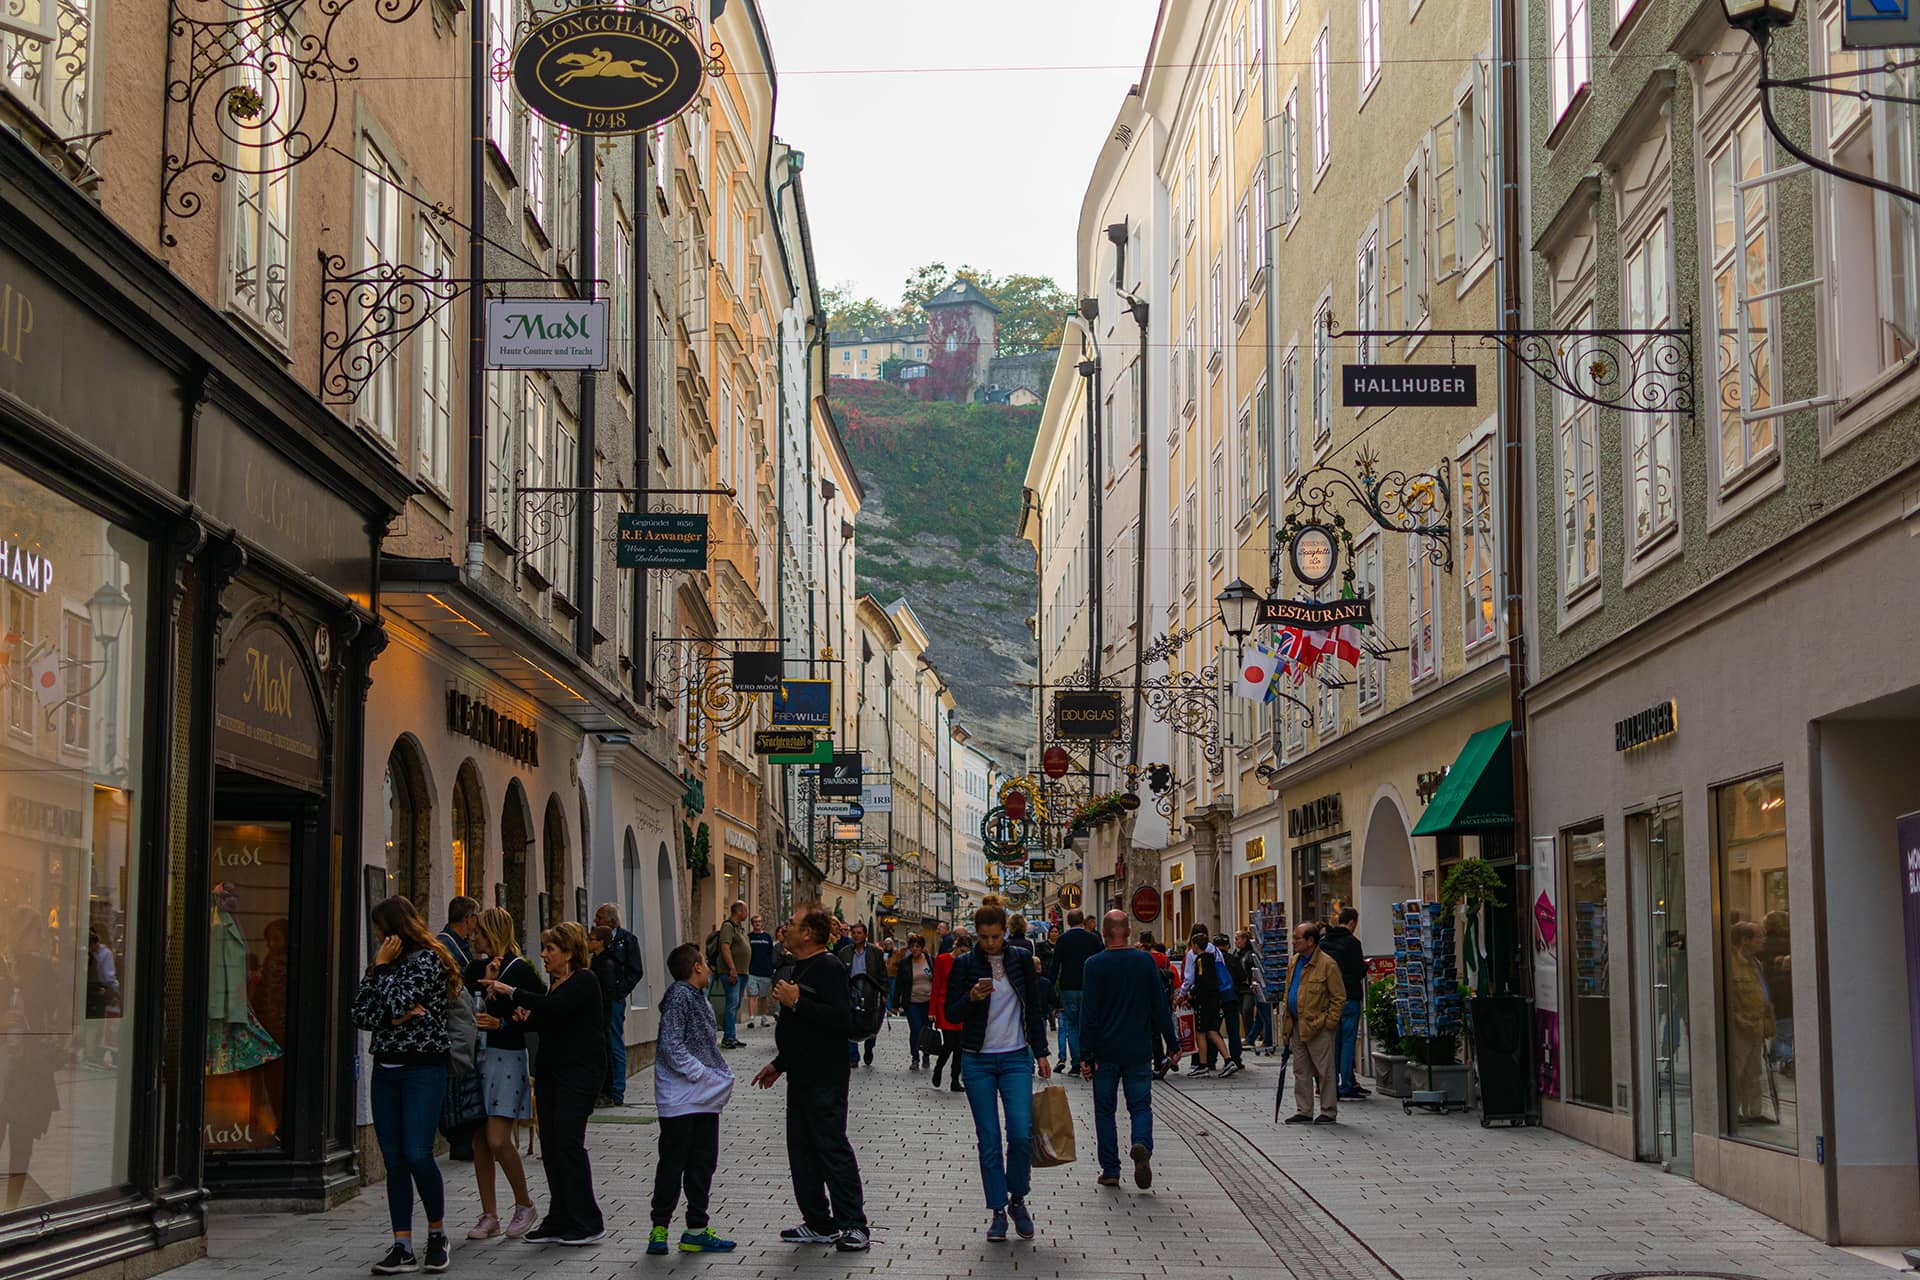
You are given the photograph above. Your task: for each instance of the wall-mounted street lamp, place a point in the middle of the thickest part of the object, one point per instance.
(1760, 19)
(1239, 605)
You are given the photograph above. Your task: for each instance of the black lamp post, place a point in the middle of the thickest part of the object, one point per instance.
(1239, 606)
(1760, 19)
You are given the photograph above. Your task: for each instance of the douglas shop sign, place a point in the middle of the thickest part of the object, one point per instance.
(1087, 715)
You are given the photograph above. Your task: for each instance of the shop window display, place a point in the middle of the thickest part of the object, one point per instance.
(1591, 1051)
(74, 674)
(1756, 962)
(1324, 871)
(247, 985)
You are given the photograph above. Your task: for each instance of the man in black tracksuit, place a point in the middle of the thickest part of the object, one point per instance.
(810, 1047)
(1076, 946)
(1343, 945)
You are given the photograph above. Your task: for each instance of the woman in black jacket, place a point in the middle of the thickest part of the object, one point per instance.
(568, 1069)
(994, 993)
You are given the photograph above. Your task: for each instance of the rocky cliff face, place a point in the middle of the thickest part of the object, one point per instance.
(943, 498)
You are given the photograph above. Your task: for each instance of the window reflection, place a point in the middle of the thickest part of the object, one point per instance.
(1757, 961)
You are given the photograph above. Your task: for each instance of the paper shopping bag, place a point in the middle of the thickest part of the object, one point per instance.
(1052, 1128)
(1183, 1027)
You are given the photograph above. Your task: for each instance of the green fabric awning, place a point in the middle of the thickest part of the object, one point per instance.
(1477, 792)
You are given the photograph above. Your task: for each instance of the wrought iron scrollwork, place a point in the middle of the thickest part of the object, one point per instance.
(1417, 504)
(260, 90)
(1188, 702)
(367, 314)
(1633, 370)
(1112, 751)
(697, 669)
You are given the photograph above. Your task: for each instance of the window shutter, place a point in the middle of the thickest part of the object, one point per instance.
(1392, 300)
(1444, 196)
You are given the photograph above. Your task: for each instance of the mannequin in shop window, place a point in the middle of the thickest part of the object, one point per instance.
(30, 1049)
(240, 1106)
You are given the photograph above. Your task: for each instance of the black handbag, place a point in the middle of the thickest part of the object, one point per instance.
(931, 1039)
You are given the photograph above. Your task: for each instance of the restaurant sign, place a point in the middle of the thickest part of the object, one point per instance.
(1366, 386)
(605, 69)
(1317, 615)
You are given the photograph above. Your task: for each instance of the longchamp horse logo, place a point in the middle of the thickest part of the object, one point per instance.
(601, 63)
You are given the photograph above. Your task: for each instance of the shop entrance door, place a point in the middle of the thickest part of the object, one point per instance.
(1657, 853)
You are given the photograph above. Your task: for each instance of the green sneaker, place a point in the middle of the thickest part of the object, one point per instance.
(657, 1240)
(704, 1241)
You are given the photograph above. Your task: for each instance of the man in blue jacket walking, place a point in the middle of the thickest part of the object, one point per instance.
(1124, 1022)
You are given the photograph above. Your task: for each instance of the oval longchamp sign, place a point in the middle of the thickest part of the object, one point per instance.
(605, 70)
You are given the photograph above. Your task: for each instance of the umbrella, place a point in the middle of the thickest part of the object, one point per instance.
(1286, 1056)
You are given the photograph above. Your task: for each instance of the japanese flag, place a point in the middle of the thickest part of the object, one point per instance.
(44, 672)
(1257, 663)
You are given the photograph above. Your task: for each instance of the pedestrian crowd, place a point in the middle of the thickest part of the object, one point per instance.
(470, 1038)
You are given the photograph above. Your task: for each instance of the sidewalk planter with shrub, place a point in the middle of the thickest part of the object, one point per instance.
(1383, 1034)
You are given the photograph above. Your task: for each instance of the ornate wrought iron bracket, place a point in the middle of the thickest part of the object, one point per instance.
(1632, 370)
(546, 509)
(1419, 505)
(696, 668)
(260, 89)
(1112, 751)
(1189, 703)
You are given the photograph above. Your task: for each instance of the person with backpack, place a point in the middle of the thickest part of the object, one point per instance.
(402, 1000)
(626, 971)
(1233, 997)
(505, 1083)
(1204, 984)
(994, 993)
(867, 990)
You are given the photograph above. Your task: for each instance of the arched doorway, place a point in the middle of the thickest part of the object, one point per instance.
(1387, 874)
(630, 911)
(669, 901)
(516, 843)
(553, 837)
(469, 835)
(410, 826)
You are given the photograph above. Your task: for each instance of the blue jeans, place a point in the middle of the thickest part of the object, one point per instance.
(617, 1050)
(1108, 1078)
(406, 1111)
(994, 1081)
(735, 988)
(1070, 1027)
(1262, 1025)
(916, 1023)
(1349, 1044)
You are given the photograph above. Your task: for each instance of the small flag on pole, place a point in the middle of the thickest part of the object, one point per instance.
(1257, 665)
(44, 670)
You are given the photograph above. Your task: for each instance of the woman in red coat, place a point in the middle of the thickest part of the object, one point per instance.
(949, 1030)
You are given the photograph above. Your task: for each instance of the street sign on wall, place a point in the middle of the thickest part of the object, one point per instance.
(662, 540)
(546, 333)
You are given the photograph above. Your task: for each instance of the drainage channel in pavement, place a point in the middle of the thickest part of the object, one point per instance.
(1310, 1242)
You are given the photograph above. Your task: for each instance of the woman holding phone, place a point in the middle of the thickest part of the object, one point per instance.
(505, 1085)
(403, 1000)
(994, 993)
(568, 1069)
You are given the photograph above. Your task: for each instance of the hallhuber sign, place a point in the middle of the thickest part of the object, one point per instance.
(546, 333)
(1087, 715)
(1317, 615)
(608, 70)
(662, 540)
(1392, 385)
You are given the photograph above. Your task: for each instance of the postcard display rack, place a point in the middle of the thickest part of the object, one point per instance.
(1271, 925)
(1426, 986)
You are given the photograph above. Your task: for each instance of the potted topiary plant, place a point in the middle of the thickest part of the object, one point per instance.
(1383, 1035)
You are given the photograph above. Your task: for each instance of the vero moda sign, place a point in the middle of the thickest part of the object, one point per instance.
(546, 333)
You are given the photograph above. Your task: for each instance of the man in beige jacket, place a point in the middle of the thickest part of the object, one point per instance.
(1309, 1017)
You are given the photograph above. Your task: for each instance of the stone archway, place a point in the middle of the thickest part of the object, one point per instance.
(468, 834)
(1388, 873)
(516, 846)
(669, 901)
(553, 839)
(409, 799)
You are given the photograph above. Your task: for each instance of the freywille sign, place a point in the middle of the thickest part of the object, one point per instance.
(546, 333)
(804, 702)
(1364, 386)
(1651, 725)
(472, 718)
(1317, 615)
(1087, 715)
(662, 540)
(606, 70)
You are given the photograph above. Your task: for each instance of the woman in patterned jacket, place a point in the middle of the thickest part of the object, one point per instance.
(403, 1001)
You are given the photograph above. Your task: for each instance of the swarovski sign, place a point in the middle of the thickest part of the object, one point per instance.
(546, 333)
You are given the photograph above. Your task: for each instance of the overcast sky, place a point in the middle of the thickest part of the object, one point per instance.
(963, 132)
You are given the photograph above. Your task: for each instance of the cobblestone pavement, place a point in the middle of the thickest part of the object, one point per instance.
(1381, 1195)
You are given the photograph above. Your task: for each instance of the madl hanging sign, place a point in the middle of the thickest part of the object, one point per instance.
(1415, 385)
(608, 70)
(546, 333)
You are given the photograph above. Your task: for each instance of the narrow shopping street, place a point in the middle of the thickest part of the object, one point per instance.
(1382, 1195)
